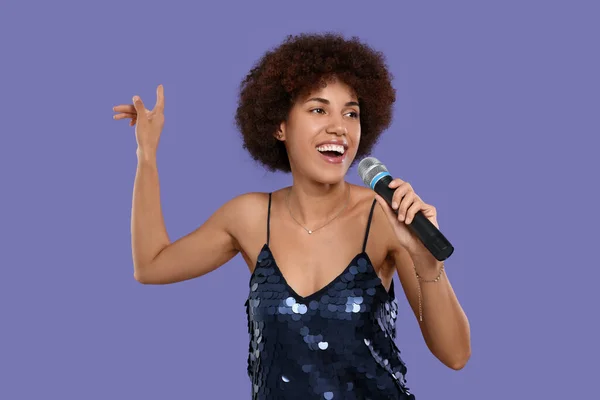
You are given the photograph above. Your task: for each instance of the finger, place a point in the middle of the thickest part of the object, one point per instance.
(400, 192)
(407, 201)
(139, 105)
(429, 211)
(124, 115)
(160, 99)
(395, 183)
(125, 108)
(413, 210)
(133, 121)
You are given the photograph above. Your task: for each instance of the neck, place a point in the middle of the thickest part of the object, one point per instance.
(312, 203)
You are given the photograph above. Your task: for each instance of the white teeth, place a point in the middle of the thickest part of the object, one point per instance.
(332, 147)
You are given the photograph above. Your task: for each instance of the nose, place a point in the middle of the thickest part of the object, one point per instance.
(337, 127)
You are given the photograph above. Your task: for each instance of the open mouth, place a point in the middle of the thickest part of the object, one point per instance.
(334, 151)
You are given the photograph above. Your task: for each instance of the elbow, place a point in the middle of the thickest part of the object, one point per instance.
(140, 277)
(457, 366)
(149, 275)
(462, 352)
(144, 272)
(460, 360)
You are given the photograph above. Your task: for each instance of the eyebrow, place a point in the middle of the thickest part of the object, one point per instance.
(325, 101)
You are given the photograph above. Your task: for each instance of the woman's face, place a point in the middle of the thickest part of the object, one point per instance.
(322, 133)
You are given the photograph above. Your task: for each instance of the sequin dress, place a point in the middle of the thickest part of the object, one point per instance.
(337, 343)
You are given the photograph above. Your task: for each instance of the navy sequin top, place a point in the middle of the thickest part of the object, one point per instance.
(337, 343)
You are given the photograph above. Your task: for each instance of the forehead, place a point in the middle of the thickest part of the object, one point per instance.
(335, 89)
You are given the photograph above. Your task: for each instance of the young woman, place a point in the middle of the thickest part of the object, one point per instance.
(322, 253)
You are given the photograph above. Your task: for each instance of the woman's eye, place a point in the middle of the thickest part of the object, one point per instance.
(351, 114)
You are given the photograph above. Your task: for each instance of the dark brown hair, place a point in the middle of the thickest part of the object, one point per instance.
(300, 64)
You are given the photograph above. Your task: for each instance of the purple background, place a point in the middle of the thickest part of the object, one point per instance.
(501, 99)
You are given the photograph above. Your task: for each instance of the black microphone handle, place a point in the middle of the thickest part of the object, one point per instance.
(428, 234)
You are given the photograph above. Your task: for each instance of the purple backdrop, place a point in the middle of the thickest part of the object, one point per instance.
(500, 99)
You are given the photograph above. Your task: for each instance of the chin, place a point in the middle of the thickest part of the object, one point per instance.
(331, 179)
(330, 175)
(326, 170)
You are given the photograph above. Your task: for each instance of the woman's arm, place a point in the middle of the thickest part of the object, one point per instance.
(158, 261)
(444, 325)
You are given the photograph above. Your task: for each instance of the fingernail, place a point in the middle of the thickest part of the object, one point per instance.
(394, 205)
(401, 217)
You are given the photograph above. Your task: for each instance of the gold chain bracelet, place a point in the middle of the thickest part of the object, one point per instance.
(419, 280)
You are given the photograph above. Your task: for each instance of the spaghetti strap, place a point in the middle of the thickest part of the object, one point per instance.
(368, 225)
(269, 220)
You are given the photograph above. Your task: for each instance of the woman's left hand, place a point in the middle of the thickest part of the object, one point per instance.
(408, 203)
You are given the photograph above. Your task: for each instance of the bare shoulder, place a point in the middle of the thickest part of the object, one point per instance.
(247, 202)
(380, 230)
(363, 197)
(244, 213)
(394, 257)
(380, 245)
(396, 254)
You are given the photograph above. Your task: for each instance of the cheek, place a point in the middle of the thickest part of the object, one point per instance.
(356, 140)
(297, 146)
(301, 135)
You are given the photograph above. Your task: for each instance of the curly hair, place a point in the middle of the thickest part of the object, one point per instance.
(303, 63)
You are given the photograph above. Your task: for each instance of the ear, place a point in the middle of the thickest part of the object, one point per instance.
(280, 134)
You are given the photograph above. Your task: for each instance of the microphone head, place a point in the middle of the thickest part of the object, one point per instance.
(369, 168)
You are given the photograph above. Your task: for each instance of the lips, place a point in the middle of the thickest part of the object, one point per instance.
(333, 154)
(333, 151)
(333, 145)
(333, 159)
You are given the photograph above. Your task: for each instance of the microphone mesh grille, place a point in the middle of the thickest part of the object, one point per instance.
(368, 168)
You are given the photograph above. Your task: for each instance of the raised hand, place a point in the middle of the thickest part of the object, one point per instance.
(149, 123)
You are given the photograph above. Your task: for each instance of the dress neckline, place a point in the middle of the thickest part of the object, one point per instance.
(389, 293)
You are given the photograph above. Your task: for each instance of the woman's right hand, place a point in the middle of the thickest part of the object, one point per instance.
(148, 123)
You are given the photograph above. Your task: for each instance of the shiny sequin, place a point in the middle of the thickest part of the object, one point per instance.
(337, 343)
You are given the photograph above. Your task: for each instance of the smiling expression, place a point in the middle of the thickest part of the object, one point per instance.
(322, 132)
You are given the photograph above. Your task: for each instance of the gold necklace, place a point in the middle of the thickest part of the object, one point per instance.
(310, 231)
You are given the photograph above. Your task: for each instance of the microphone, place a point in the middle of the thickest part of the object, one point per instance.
(376, 176)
